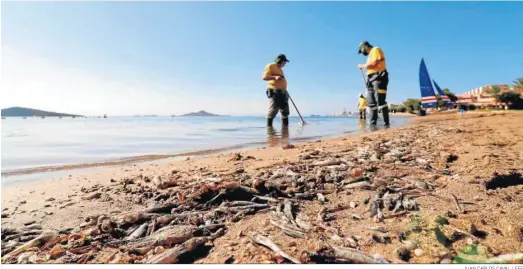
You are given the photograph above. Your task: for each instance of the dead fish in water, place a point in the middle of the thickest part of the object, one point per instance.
(378, 229)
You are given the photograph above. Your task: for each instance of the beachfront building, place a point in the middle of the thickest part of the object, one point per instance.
(345, 113)
(482, 98)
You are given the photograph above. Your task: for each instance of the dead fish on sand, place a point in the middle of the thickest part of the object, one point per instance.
(378, 229)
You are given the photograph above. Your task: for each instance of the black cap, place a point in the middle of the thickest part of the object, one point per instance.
(362, 44)
(281, 57)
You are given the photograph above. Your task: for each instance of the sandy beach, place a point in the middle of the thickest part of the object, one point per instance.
(463, 169)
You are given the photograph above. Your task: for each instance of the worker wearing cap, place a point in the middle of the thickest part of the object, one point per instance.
(362, 105)
(277, 90)
(377, 81)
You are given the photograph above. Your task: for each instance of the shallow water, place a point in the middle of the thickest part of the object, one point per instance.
(36, 142)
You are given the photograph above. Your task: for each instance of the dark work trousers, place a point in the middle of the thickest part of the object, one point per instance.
(363, 114)
(278, 101)
(376, 96)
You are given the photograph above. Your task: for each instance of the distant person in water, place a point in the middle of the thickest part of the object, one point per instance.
(362, 106)
(377, 81)
(461, 109)
(277, 90)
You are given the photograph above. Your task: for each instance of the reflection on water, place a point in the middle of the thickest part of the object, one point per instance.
(364, 127)
(33, 142)
(361, 125)
(275, 138)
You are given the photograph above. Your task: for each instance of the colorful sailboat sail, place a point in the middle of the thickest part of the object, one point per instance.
(428, 97)
(442, 95)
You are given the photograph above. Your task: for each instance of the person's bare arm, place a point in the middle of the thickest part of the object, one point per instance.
(269, 77)
(374, 64)
(376, 54)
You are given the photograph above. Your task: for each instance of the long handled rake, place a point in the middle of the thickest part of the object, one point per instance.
(302, 121)
(364, 81)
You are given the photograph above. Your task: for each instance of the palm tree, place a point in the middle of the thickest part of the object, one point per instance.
(518, 82)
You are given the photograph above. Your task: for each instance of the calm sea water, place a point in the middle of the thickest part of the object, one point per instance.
(36, 142)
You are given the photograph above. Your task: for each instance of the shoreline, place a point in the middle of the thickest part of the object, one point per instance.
(155, 157)
(173, 157)
(87, 176)
(476, 140)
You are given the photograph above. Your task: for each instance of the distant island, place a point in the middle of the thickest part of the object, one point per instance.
(30, 112)
(200, 113)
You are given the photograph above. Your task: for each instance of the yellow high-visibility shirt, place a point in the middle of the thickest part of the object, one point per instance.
(376, 54)
(273, 69)
(362, 103)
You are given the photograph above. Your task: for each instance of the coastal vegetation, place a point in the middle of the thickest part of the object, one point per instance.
(398, 108)
(412, 104)
(511, 96)
(450, 95)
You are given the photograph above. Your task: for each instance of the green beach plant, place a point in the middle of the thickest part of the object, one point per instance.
(412, 104)
(518, 82)
(494, 90)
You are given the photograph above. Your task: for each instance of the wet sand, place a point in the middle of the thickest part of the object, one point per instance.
(484, 143)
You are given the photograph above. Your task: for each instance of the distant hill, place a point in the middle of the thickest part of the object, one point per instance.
(200, 114)
(29, 112)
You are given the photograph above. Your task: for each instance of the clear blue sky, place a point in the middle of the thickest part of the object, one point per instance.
(125, 58)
